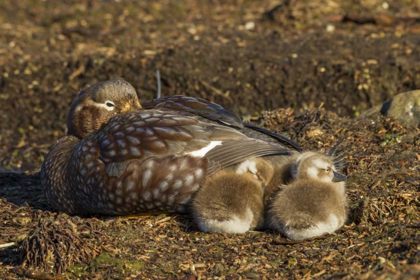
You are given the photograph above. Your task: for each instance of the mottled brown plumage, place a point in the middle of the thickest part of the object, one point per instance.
(140, 160)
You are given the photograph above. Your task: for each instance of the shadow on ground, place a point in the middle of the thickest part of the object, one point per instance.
(23, 190)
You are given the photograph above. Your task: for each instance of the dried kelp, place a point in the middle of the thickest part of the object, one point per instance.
(55, 244)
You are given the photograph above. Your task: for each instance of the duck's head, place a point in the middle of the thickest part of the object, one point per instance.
(98, 103)
(319, 166)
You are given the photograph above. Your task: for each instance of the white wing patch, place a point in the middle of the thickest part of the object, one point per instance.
(203, 151)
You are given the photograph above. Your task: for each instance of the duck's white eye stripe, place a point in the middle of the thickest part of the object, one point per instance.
(107, 105)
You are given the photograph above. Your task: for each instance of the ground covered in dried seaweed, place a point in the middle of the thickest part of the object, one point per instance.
(248, 56)
(381, 236)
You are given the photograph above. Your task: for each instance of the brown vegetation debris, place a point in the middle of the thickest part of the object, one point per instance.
(55, 244)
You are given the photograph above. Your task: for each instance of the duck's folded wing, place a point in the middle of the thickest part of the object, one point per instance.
(215, 112)
(255, 131)
(195, 105)
(234, 152)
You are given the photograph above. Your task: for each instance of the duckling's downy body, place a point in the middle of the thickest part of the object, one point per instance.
(308, 208)
(232, 202)
(313, 204)
(295, 195)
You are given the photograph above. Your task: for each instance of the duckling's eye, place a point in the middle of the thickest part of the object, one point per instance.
(327, 170)
(110, 104)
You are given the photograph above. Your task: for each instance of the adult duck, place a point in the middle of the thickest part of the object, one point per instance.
(120, 159)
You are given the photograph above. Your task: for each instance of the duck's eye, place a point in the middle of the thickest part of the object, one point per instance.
(109, 104)
(327, 170)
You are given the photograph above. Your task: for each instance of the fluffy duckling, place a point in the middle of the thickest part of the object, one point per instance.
(232, 202)
(313, 204)
(286, 167)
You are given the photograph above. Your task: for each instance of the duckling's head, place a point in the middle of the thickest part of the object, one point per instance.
(318, 166)
(98, 103)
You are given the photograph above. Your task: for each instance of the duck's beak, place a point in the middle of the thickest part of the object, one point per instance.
(137, 106)
(127, 107)
(338, 177)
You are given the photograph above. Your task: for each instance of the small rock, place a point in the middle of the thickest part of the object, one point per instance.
(404, 107)
(249, 25)
(330, 28)
(385, 20)
(219, 269)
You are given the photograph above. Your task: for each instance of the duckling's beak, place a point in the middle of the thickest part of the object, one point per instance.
(338, 177)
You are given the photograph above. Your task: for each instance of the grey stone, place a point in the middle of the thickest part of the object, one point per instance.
(404, 107)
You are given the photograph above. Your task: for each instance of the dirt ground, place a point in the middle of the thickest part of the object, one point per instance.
(248, 56)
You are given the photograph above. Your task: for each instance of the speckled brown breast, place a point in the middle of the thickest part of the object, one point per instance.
(141, 161)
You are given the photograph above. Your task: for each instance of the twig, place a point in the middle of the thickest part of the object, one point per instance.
(378, 19)
(216, 91)
(90, 32)
(413, 226)
(6, 245)
(158, 84)
(35, 274)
